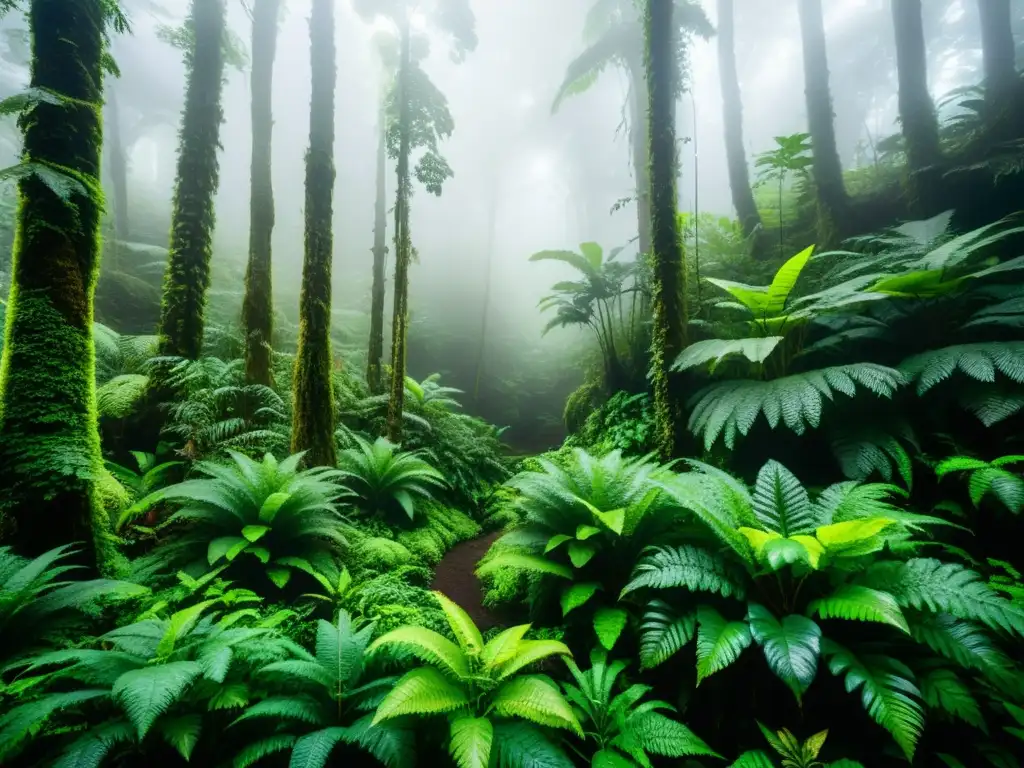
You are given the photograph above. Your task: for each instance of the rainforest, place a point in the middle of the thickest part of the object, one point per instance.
(519, 384)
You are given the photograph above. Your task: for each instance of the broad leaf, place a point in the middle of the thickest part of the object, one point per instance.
(719, 642)
(471, 741)
(791, 646)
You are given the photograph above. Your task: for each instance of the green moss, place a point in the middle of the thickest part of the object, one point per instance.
(313, 423)
(380, 555)
(392, 600)
(580, 404)
(192, 220)
(258, 305)
(442, 528)
(50, 457)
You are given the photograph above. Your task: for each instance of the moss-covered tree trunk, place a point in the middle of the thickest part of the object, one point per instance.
(668, 332)
(403, 246)
(313, 422)
(828, 171)
(917, 111)
(380, 253)
(1002, 83)
(192, 219)
(50, 455)
(118, 166)
(485, 308)
(258, 305)
(639, 133)
(732, 114)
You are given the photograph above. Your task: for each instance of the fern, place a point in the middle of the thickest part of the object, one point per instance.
(988, 478)
(978, 361)
(732, 407)
(685, 566)
(719, 642)
(382, 477)
(663, 633)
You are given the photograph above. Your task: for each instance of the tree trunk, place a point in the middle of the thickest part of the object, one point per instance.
(50, 455)
(485, 312)
(639, 132)
(1002, 84)
(917, 111)
(403, 248)
(828, 172)
(118, 166)
(732, 111)
(313, 422)
(258, 305)
(669, 277)
(192, 219)
(380, 253)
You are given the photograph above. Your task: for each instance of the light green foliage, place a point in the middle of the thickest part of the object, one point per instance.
(150, 474)
(794, 753)
(478, 686)
(621, 726)
(441, 528)
(625, 423)
(319, 701)
(399, 598)
(988, 477)
(387, 480)
(151, 682)
(266, 519)
(828, 557)
(121, 376)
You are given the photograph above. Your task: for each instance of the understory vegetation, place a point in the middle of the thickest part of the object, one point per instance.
(780, 526)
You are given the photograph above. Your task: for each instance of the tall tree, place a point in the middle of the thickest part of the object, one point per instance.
(917, 111)
(668, 333)
(258, 305)
(828, 171)
(380, 253)
(732, 110)
(418, 118)
(192, 218)
(1002, 83)
(614, 35)
(118, 165)
(50, 455)
(313, 423)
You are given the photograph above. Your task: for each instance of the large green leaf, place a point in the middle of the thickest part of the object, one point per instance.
(471, 741)
(578, 594)
(608, 625)
(537, 699)
(314, 749)
(942, 689)
(462, 625)
(791, 646)
(719, 642)
(784, 282)
(522, 745)
(781, 503)
(685, 566)
(145, 694)
(422, 691)
(531, 563)
(662, 735)
(428, 646)
(663, 633)
(714, 351)
(857, 603)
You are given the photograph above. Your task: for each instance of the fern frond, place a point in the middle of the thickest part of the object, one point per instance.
(859, 603)
(978, 361)
(663, 633)
(685, 566)
(537, 699)
(147, 693)
(421, 691)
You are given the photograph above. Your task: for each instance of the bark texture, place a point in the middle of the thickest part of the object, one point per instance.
(380, 253)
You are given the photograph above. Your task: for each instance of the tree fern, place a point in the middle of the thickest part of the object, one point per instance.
(732, 407)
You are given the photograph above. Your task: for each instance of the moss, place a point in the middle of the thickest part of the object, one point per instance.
(313, 424)
(580, 404)
(380, 555)
(50, 457)
(393, 601)
(192, 220)
(258, 305)
(441, 529)
(668, 331)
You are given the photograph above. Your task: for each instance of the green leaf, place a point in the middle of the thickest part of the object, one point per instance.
(719, 642)
(784, 282)
(942, 689)
(422, 691)
(462, 625)
(428, 646)
(504, 646)
(181, 732)
(556, 541)
(578, 594)
(584, 532)
(314, 749)
(608, 624)
(271, 506)
(220, 547)
(471, 741)
(255, 532)
(714, 351)
(56, 179)
(279, 576)
(791, 646)
(145, 694)
(581, 552)
(757, 759)
(664, 736)
(180, 624)
(521, 745)
(609, 758)
(685, 566)
(781, 503)
(856, 603)
(521, 562)
(663, 633)
(537, 699)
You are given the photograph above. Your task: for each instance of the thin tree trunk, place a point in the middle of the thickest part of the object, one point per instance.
(380, 252)
(669, 276)
(258, 304)
(118, 166)
(639, 132)
(192, 220)
(485, 312)
(49, 443)
(828, 171)
(917, 111)
(732, 111)
(403, 248)
(313, 421)
(1002, 83)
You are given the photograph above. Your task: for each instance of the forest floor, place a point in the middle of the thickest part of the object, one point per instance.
(455, 577)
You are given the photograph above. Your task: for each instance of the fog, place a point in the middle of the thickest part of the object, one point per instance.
(549, 180)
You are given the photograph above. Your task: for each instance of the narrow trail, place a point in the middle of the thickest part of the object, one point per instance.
(456, 578)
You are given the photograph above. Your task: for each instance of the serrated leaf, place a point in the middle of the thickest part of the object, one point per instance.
(791, 646)
(421, 691)
(857, 603)
(145, 694)
(608, 624)
(537, 699)
(719, 642)
(471, 741)
(663, 633)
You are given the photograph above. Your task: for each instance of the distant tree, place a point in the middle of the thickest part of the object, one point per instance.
(614, 35)
(668, 334)
(827, 170)
(999, 55)
(50, 457)
(258, 304)
(917, 111)
(192, 218)
(732, 109)
(313, 421)
(418, 118)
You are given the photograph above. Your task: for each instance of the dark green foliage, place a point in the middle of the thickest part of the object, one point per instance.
(192, 220)
(313, 423)
(49, 445)
(625, 423)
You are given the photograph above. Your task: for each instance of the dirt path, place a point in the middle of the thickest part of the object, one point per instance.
(455, 577)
